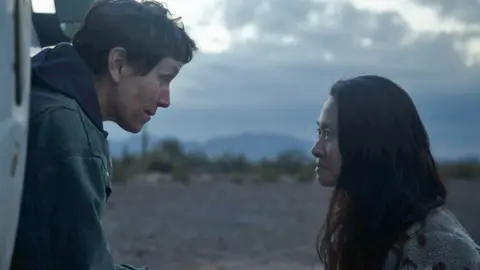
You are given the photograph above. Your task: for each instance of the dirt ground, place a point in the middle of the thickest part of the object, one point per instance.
(222, 226)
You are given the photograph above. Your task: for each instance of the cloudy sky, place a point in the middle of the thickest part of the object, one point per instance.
(267, 65)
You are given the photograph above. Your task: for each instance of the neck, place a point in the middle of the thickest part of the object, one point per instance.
(103, 100)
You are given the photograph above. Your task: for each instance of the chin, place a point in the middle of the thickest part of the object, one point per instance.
(136, 129)
(326, 181)
(131, 128)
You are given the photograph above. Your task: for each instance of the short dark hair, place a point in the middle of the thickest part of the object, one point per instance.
(388, 180)
(145, 29)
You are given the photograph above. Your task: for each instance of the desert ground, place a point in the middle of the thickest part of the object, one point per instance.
(213, 226)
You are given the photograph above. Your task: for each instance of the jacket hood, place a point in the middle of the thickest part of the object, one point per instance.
(62, 70)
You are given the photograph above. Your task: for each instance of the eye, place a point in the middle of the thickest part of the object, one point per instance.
(324, 133)
(166, 78)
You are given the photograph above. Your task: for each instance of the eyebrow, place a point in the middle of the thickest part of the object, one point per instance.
(175, 69)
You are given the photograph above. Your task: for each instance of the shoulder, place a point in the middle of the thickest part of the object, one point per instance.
(57, 131)
(42, 99)
(442, 250)
(442, 243)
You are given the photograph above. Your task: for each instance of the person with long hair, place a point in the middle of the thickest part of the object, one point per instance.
(387, 209)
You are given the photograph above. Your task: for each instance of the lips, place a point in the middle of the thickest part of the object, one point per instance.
(320, 166)
(149, 113)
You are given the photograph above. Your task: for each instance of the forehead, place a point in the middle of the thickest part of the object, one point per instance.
(329, 114)
(169, 64)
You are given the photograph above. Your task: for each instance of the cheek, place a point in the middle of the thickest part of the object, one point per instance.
(151, 91)
(129, 98)
(335, 157)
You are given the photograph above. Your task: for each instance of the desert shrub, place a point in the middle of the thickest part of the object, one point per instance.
(119, 172)
(290, 162)
(123, 171)
(170, 157)
(158, 165)
(269, 174)
(181, 174)
(306, 174)
(460, 170)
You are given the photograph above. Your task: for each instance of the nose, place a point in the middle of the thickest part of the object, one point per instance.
(318, 150)
(163, 99)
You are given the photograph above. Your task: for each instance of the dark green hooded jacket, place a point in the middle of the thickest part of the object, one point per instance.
(67, 177)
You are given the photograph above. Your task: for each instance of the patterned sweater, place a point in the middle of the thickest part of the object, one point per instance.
(442, 243)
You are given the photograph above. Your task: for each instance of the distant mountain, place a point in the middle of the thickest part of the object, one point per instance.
(254, 146)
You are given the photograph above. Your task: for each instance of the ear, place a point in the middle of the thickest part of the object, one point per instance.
(117, 63)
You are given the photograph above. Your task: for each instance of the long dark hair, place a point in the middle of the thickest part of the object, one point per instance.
(388, 179)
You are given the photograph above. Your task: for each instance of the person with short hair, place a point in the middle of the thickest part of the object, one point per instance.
(118, 68)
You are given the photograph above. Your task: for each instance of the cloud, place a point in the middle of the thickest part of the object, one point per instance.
(465, 10)
(286, 52)
(284, 55)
